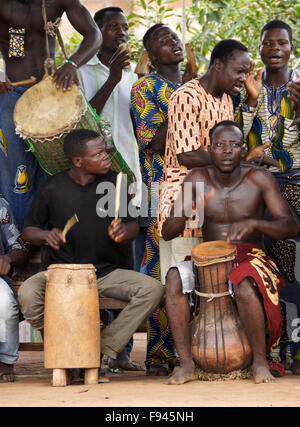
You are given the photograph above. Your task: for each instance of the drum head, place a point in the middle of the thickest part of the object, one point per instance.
(214, 250)
(45, 111)
(71, 267)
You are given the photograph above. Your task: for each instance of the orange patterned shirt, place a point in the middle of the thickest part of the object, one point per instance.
(192, 113)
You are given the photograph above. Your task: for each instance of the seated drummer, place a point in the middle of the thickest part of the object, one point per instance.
(236, 195)
(96, 239)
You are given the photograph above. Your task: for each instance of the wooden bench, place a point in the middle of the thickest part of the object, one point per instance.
(105, 304)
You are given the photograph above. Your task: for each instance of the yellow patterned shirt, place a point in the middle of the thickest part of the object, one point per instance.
(270, 120)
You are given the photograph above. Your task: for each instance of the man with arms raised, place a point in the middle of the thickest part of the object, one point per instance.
(23, 48)
(236, 195)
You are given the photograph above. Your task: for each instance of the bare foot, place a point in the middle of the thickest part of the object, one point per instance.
(261, 373)
(7, 373)
(124, 362)
(182, 375)
(295, 367)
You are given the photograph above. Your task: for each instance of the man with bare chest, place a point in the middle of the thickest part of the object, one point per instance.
(23, 48)
(236, 195)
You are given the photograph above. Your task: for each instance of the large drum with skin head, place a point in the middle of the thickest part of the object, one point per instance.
(72, 319)
(219, 343)
(44, 115)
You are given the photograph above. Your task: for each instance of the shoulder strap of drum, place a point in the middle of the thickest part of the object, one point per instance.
(51, 29)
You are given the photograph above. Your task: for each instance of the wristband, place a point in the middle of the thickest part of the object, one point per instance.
(68, 61)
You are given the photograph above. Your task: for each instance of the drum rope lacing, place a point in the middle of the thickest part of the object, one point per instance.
(212, 296)
(198, 263)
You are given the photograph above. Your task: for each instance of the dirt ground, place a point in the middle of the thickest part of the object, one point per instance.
(134, 389)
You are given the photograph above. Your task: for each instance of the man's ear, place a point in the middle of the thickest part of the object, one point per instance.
(217, 64)
(77, 162)
(152, 57)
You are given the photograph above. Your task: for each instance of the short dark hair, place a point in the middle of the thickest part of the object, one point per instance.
(149, 33)
(223, 50)
(75, 142)
(223, 123)
(101, 14)
(276, 23)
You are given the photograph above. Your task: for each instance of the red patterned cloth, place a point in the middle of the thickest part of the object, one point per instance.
(253, 262)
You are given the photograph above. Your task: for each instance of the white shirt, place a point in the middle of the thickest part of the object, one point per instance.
(116, 112)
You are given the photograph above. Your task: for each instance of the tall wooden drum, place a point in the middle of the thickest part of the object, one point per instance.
(219, 344)
(72, 319)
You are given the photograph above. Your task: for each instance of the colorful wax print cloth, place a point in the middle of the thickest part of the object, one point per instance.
(150, 100)
(253, 262)
(271, 120)
(20, 173)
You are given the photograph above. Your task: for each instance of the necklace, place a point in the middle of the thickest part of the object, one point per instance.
(176, 85)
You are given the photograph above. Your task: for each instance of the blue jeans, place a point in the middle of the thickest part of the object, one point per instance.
(9, 324)
(20, 173)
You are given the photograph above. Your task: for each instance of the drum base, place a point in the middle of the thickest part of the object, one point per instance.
(62, 378)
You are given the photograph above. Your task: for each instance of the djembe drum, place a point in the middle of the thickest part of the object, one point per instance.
(72, 321)
(219, 343)
(44, 115)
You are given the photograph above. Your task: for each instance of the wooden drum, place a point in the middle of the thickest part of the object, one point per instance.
(72, 319)
(219, 344)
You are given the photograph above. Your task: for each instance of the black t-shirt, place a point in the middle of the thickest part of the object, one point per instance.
(87, 242)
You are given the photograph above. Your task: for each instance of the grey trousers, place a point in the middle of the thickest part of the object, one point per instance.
(142, 292)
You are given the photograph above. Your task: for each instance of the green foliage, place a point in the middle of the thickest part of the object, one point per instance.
(71, 44)
(149, 13)
(207, 22)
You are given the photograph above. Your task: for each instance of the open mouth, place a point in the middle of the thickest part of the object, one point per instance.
(274, 58)
(237, 88)
(177, 51)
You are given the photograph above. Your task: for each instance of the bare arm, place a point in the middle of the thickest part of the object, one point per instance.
(15, 257)
(194, 159)
(182, 209)
(158, 142)
(283, 226)
(37, 236)
(82, 21)
(119, 61)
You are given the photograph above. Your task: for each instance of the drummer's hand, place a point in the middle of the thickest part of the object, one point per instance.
(238, 230)
(55, 238)
(117, 231)
(5, 87)
(65, 76)
(118, 61)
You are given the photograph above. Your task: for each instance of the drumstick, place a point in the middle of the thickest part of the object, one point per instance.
(24, 82)
(69, 224)
(143, 65)
(123, 47)
(118, 194)
(191, 57)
